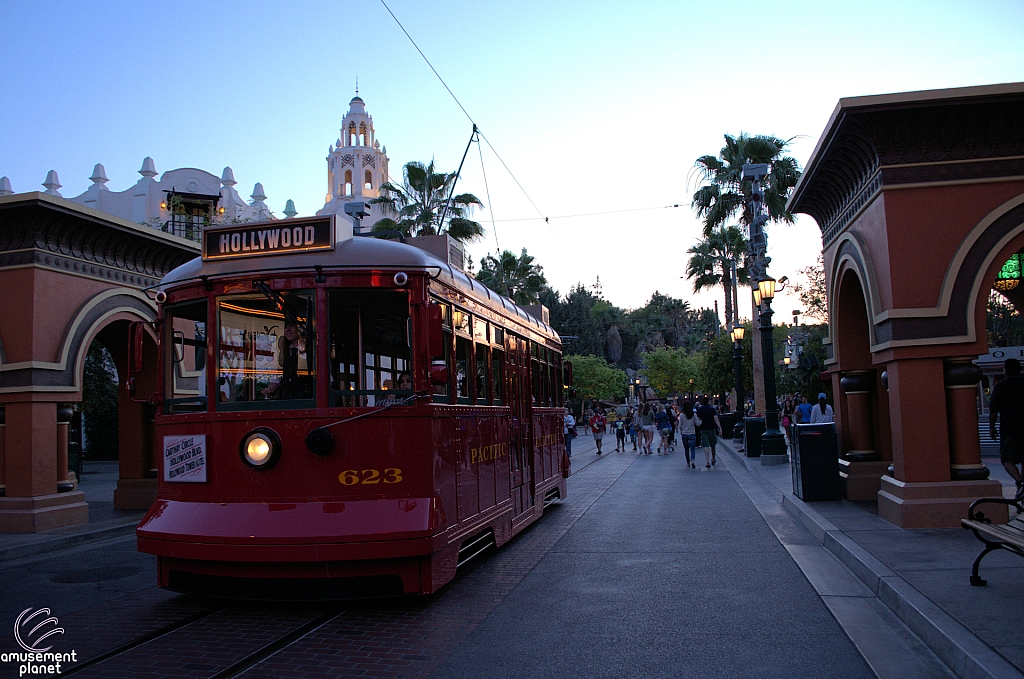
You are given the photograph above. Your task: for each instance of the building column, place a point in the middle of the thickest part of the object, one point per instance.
(923, 493)
(860, 466)
(31, 501)
(962, 378)
(857, 386)
(64, 414)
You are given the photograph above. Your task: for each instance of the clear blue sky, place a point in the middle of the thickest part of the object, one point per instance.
(595, 106)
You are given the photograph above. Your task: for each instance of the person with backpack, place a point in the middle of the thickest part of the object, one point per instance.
(620, 435)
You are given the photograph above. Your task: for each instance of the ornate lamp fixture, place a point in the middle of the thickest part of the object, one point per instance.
(1009, 276)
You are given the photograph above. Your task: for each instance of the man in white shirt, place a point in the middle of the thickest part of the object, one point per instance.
(821, 413)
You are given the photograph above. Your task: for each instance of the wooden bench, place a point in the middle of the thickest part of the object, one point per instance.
(1008, 536)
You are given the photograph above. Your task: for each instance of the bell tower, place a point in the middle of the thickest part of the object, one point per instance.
(356, 163)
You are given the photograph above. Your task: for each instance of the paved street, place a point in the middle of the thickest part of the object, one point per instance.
(648, 569)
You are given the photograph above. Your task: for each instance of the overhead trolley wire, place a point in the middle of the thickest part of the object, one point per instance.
(594, 214)
(475, 126)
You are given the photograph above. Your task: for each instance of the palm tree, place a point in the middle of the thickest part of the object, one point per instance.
(723, 192)
(710, 263)
(418, 205)
(724, 195)
(518, 278)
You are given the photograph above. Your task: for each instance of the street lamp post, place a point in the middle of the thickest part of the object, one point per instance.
(737, 359)
(773, 442)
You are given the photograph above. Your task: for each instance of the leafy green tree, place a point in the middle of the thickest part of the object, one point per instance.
(710, 263)
(575, 318)
(812, 292)
(99, 403)
(593, 378)
(518, 278)
(417, 206)
(670, 369)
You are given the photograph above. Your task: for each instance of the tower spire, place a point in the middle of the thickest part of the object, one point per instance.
(357, 86)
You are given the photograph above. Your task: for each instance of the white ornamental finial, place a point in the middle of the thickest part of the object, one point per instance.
(227, 178)
(257, 193)
(99, 175)
(52, 184)
(148, 168)
(5, 187)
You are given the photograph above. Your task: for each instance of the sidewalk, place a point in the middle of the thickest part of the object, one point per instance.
(920, 575)
(98, 483)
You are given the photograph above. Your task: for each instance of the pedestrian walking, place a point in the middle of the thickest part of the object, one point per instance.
(620, 435)
(647, 420)
(1007, 405)
(803, 411)
(710, 429)
(597, 426)
(688, 433)
(661, 423)
(568, 430)
(821, 413)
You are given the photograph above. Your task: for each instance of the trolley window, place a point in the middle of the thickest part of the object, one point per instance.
(185, 391)
(370, 347)
(498, 375)
(462, 366)
(440, 391)
(266, 353)
(481, 373)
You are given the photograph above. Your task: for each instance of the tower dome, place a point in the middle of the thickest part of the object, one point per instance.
(356, 164)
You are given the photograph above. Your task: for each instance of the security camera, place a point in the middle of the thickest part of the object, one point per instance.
(754, 172)
(358, 210)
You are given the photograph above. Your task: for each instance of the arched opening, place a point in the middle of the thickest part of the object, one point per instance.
(367, 180)
(861, 403)
(351, 137)
(348, 182)
(362, 134)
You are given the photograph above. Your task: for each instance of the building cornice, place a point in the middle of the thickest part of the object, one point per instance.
(962, 135)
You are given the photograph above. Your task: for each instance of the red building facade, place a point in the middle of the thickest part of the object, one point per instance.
(920, 200)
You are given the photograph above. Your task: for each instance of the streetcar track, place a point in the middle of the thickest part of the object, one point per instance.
(145, 639)
(237, 668)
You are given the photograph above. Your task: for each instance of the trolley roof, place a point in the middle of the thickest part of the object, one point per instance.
(353, 253)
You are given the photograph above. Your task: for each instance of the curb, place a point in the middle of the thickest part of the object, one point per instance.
(61, 541)
(964, 653)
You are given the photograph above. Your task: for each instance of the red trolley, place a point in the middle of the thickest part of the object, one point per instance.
(343, 417)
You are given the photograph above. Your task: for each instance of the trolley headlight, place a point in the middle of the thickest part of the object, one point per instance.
(261, 448)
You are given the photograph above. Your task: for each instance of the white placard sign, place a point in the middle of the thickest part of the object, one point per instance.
(185, 458)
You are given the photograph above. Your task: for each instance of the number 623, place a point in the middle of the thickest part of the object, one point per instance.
(369, 477)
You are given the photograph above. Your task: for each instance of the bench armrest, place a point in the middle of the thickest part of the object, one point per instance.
(980, 516)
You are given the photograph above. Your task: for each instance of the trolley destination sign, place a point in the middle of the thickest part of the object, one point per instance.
(279, 237)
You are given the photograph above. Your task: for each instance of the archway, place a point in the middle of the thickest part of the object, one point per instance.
(71, 275)
(921, 195)
(861, 405)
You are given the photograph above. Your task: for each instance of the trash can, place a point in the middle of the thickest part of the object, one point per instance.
(816, 463)
(728, 421)
(753, 428)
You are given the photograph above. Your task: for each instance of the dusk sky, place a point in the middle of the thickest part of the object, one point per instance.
(595, 107)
